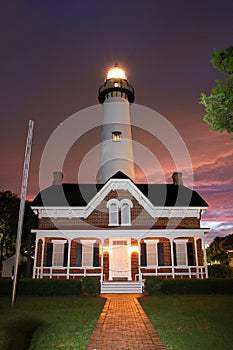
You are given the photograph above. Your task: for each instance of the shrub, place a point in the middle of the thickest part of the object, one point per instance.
(42, 287)
(153, 285)
(188, 286)
(90, 286)
(220, 271)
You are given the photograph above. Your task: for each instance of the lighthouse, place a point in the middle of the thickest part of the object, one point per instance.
(116, 149)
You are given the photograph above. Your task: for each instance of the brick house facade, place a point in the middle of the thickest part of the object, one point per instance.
(120, 231)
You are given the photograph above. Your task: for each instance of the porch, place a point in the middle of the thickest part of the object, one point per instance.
(121, 262)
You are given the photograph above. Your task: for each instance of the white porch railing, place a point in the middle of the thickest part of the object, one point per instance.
(172, 271)
(68, 272)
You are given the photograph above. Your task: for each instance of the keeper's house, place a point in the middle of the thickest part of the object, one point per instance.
(118, 230)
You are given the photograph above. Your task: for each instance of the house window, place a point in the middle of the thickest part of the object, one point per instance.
(87, 256)
(58, 253)
(126, 205)
(125, 215)
(116, 136)
(113, 206)
(181, 252)
(87, 252)
(151, 252)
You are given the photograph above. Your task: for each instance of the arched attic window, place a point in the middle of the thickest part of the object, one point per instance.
(126, 205)
(113, 205)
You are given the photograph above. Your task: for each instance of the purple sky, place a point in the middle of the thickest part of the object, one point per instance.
(55, 54)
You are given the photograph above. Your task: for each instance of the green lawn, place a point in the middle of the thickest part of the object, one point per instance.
(192, 322)
(48, 323)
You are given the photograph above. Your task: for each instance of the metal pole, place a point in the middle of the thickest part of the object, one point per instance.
(22, 208)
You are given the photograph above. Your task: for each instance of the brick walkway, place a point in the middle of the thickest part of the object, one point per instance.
(123, 325)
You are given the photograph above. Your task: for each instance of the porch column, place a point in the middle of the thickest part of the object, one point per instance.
(139, 261)
(102, 261)
(68, 259)
(35, 259)
(205, 258)
(42, 258)
(196, 257)
(172, 258)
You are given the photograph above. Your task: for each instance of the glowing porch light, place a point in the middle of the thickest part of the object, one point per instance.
(116, 73)
(134, 249)
(106, 249)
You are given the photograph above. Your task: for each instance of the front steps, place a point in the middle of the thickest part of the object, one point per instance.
(121, 287)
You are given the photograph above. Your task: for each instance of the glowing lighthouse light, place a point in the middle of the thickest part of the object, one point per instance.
(116, 73)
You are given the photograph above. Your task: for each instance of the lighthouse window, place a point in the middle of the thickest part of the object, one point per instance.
(116, 136)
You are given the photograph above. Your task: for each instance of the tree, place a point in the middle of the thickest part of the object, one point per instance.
(219, 104)
(217, 251)
(9, 212)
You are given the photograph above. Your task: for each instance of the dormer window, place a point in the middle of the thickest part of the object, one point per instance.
(126, 205)
(113, 206)
(124, 208)
(116, 136)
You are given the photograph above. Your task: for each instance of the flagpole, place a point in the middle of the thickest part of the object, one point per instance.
(22, 207)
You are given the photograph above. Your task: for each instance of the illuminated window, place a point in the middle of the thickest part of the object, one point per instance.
(116, 136)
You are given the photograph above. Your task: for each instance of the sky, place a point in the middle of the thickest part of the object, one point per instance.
(55, 55)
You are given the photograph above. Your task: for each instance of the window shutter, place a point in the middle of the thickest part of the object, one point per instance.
(190, 254)
(160, 254)
(65, 254)
(174, 254)
(79, 254)
(96, 255)
(49, 254)
(143, 254)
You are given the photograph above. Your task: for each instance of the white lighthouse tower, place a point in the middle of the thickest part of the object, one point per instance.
(116, 152)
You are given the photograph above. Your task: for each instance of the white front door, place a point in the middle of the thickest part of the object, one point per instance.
(120, 259)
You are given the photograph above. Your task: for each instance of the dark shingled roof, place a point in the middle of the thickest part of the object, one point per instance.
(79, 195)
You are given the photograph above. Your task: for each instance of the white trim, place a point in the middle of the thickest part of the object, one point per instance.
(59, 241)
(180, 241)
(126, 200)
(148, 241)
(130, 233)
(89, 242)
(80, 212)
(112, 185)
(112, 200)
(42, 257)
